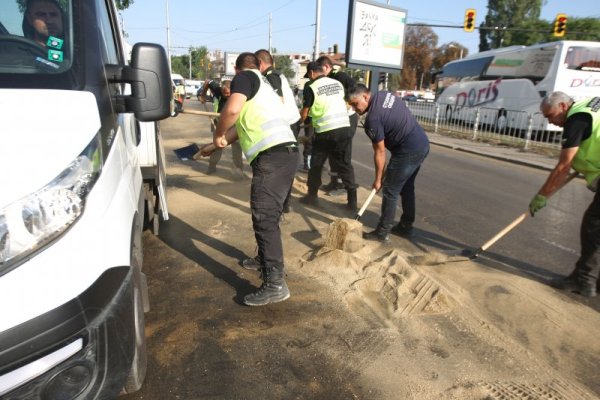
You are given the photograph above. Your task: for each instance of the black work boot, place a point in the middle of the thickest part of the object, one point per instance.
(333, 185)
(310, 199)
(378, 235)
(252, 263)
(272, 290)
(352, 200)
(402, 229)
(575, 285)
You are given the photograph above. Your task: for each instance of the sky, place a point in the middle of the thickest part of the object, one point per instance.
(243, 25)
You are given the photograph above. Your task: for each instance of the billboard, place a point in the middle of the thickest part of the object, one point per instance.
(375, 36)
(230, 63)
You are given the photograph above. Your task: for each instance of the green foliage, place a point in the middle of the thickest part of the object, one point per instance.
(123, 4)
(507, 15)
(283, 64)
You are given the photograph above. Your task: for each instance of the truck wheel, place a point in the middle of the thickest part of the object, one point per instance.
(138, 366)
(137, 373)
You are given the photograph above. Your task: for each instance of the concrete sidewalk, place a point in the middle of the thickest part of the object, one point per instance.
(499, 152)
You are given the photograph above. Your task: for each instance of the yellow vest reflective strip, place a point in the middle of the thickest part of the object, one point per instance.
(587, 159)
(276, 132)
(261, 124)
(332, 121)
(328, 110)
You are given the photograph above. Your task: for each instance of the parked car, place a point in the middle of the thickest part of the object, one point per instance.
(410, 97)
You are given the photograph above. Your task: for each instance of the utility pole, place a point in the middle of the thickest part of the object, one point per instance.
(317, 31)
(168, 36)
(190, 62)
(270, 33)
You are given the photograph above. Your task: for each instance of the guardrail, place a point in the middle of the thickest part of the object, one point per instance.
(512, 127)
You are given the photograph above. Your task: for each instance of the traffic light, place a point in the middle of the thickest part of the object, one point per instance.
(560, 25)
(469, 25)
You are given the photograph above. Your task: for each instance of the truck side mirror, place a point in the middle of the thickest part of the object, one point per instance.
(150, 80)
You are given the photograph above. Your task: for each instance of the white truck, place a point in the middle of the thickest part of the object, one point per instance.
(82, 172)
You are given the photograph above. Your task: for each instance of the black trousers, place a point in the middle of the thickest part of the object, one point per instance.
(353, 125)
(587, 267)
(273, 172)
(334, 145)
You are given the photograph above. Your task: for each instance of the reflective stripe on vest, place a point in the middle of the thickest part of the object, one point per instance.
(328, 111)
(261, 124)
(587, 159)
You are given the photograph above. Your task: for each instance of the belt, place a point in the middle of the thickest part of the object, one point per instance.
(289, 148)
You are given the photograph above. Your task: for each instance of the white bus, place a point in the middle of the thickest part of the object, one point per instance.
(507, 85)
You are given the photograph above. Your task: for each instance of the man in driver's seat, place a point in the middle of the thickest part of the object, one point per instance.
(43, 19)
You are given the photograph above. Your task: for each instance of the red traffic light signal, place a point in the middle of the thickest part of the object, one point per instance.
(469, 24)
(560, 25)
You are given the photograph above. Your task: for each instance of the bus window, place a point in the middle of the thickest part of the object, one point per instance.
(583, 58)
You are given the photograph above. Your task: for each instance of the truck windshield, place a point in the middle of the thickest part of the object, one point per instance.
(35, 36)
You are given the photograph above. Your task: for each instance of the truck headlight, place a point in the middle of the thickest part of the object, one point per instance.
(31, 223)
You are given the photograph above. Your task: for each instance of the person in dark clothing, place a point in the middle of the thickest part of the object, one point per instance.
(390, 125)
(581, 151)
(221, 94)
(255, 112)
(347, 82)
(324, 103)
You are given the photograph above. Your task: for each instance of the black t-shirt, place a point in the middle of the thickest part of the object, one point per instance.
(275, 80)
(389, 119)
(246, 83)
(578, 127)
(345, 79)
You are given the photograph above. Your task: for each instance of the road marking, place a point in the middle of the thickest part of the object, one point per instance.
(567, 249)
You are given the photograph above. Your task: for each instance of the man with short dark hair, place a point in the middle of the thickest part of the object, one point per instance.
(581, 151)
(256, 112)
(390, 125)
(43, 19)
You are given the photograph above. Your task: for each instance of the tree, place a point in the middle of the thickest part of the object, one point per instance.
(283, 64)
(123, 4)
(505, 15)
(419, 46)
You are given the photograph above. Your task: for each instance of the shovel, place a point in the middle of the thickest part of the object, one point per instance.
(472, 254)
(365, 205)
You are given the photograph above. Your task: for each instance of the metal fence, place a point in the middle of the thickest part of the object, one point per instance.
(511, 127)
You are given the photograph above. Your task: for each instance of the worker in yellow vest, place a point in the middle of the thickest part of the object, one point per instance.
(256, 112)
(324, 102)
(581, 151)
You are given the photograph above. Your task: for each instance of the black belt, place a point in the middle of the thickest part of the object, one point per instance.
(289, 148)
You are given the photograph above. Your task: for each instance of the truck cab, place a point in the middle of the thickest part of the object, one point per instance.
(81, 154)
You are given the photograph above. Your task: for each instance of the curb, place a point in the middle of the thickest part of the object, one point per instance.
(490, 155)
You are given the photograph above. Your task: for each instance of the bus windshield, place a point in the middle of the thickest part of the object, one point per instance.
(583, 58)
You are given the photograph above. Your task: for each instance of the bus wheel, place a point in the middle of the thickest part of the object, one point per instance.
(501, 121)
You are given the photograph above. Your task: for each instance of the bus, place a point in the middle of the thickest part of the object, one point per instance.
(503, 88)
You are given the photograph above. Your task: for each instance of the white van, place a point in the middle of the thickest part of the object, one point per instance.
(78, 124)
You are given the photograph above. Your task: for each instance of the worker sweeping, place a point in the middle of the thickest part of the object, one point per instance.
(390, 125)
(581, 151)
(270, 147)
